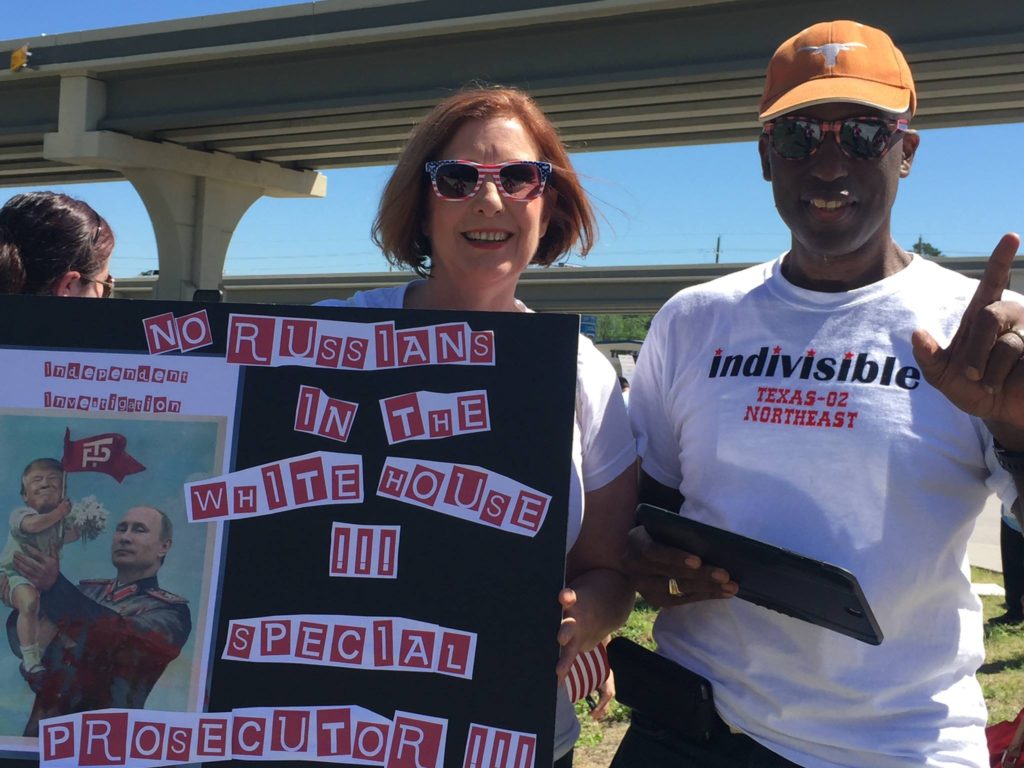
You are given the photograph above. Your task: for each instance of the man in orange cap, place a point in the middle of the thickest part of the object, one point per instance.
(849, 401)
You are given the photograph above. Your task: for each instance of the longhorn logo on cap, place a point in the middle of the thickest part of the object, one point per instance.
(831, 50)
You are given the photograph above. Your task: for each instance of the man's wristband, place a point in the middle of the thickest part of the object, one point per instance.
(1011, 461)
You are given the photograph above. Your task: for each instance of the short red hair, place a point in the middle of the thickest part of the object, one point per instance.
(398, 227)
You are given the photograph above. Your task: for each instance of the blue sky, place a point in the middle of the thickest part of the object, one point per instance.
(658, 206)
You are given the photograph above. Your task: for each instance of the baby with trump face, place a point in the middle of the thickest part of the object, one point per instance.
(42, 524)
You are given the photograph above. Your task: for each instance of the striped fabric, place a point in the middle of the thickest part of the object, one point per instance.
(588, 671)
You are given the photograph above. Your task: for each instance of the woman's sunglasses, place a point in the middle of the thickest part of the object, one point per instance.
(860, 138)
(462, 179)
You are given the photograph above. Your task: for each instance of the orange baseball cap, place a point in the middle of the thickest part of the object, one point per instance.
(838, 61)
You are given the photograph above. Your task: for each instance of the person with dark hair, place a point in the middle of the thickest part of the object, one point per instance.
(114, 636)
(849, 401)
(483, 189)
(53, 244)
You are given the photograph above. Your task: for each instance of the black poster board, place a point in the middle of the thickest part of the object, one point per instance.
(494, 583)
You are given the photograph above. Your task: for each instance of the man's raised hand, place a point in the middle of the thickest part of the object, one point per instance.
(980, 372)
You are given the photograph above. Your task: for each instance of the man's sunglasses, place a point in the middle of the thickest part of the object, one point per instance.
(860, 138)
(108, 285)
(462, 179)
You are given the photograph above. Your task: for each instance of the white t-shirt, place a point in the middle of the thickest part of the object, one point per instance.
(602, 449)
(800, 418)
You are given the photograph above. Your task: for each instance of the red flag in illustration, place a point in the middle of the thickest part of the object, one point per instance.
(104, 453)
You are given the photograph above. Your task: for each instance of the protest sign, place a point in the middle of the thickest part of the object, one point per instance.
(304, 534)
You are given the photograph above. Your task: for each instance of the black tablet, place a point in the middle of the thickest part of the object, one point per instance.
(806, 589)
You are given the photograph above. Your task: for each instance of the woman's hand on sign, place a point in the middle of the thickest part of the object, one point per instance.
(571, 632)
(599, 596)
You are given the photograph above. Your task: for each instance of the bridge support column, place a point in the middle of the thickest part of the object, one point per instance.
(193, 219)
(194, 199)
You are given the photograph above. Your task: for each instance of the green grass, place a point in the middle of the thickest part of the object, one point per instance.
(1001, 676)
(638, 629)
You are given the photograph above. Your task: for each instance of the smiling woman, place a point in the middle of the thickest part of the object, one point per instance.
(483, 189)
(484, 173)
(481, 242)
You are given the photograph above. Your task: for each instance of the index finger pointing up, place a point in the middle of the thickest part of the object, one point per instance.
(997, 274)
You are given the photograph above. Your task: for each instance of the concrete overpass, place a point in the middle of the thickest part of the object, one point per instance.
(205, 115)
(611, 290)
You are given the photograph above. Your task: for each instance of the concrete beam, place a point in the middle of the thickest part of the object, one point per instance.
(602, 290)
(106, 149)
(195, 199)
(83, 103)
(325, 84)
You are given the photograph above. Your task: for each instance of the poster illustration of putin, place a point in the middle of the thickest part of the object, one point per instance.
(109, 622)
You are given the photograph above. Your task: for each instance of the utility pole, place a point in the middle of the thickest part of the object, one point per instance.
(718, 248)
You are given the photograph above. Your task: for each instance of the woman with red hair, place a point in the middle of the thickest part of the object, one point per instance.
(484, 189)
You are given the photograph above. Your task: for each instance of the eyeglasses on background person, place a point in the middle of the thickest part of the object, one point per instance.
(108, 285)
(859, 138)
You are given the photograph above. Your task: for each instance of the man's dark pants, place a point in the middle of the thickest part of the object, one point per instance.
(647, 744)
(1011, 545)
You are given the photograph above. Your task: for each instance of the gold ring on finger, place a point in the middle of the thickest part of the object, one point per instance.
(673, 588)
